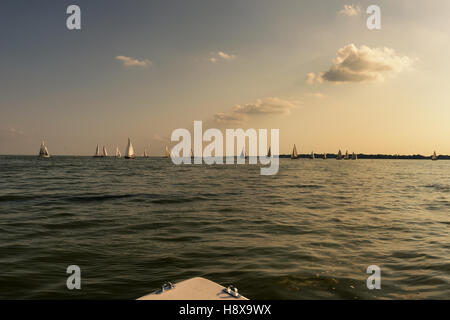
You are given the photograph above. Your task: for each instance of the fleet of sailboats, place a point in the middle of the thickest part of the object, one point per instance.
(43, 152)
(129, 153)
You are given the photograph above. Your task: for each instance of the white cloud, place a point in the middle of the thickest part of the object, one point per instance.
(229, 117)
(266, 105)
(353, 64)
(220, 55)
(350, 10)
(157, 137)
(226, 56)
(10, 132)
(240, 113)
(133, 62)
(317, 95)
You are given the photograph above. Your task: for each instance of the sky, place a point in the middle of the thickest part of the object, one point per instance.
(141, 69)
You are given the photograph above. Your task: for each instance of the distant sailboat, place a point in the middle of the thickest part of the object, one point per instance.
(242, 154)
(97, 152)
(269, 153)
(43, 152)
(145, 153)
(324, 156)
(312, 155)
(354, 156)
(339, 155)
(294, 154)
(346, 155)
(118, 155)
(105, 154)
(434, 157)
(129, 152)
(167, 153)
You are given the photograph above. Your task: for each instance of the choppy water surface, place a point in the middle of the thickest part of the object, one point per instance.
(308, 232)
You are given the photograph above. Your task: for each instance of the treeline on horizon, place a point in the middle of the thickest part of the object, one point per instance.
(369, 156)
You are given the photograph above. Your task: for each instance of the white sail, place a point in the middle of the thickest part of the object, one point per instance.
(145, 153)
(434, 157)
(294, 154)
(167, 153)
(129, 152)
(43, 151)
(105, 154)
(324, 156)
(339, 155)
(346, 155)
(118, 155)
(269, 153)
(243, 154)
(312, 155)
(97, 152)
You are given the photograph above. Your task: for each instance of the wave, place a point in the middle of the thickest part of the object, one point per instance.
(303, 186)
(438, 187)
(16, 197)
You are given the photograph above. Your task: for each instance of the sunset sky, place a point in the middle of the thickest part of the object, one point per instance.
(141, 69)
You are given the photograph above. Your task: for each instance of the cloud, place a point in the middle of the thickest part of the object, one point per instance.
(132, 62)
(353, 64)
(266, 105)
(157, 137)
(216, 56)
(10, 133)
(240, 113)
(350, 10)
(316, 95)
(229, 117)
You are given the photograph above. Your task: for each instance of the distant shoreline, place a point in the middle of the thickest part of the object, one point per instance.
(318, 156)
(371, 156)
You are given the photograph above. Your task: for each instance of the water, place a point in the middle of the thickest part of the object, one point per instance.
(309, 232)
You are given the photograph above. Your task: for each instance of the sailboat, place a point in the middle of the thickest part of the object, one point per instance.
(105, 154)
(43, 152)
(354, 156)
(97, 152)
(145, 153)
(324, 156)
(242, 154)
(346, 155)
(167, 153)
(129, 152)
(434, 157)
(294, 154)
(339, 155)
(118, 155)
(312, 155)
(269, 153)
